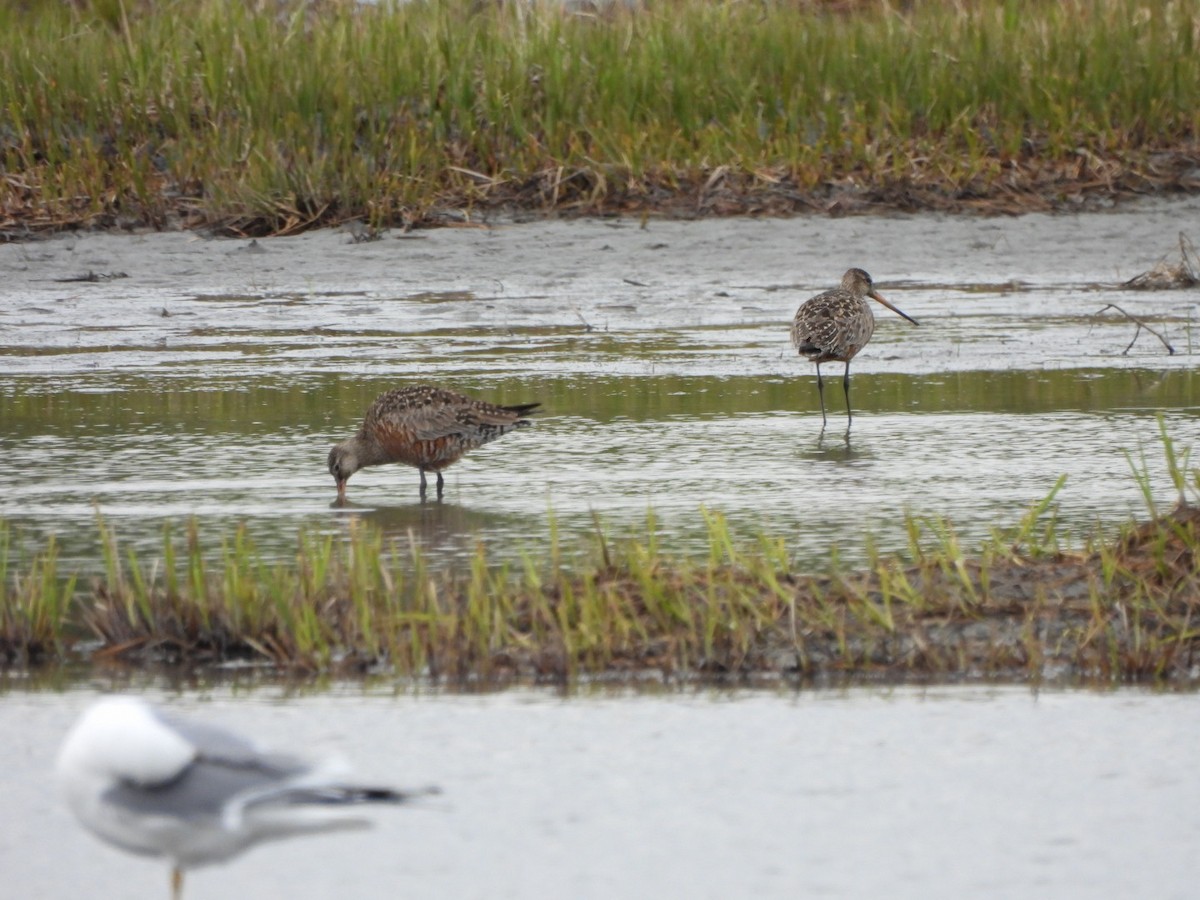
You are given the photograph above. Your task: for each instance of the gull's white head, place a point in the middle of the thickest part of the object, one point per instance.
(121, 739)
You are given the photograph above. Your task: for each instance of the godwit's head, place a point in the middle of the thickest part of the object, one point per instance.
(343, 462)
(859, 283)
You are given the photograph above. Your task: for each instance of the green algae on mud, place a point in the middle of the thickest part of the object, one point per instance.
(1020, 607)
(276, 118)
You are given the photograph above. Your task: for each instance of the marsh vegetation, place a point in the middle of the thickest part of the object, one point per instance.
(1021, 605)
(257, 118)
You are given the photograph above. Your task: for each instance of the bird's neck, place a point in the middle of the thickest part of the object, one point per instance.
(369, 451)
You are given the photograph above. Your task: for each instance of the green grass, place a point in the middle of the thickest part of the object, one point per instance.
(1019, 606)
(277, 117)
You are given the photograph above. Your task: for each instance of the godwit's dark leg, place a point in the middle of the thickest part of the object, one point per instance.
(846, 387)
(422, 471)
(441, 484)
(821, 394)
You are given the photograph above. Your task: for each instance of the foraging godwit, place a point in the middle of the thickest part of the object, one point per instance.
(422, 426)
(195, 794)
(835, 325)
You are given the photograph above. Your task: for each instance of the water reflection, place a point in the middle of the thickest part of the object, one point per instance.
(443, 530)
(835, 446)
(158, 452)
(667, 382)
(267, 403)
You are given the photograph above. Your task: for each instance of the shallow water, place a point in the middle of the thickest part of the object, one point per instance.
(212, 380)
(947, 792)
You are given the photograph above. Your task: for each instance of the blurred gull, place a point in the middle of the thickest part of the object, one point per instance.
(194, 794)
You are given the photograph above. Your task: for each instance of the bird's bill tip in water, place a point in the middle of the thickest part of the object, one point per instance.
(341, 488)
(875, 295)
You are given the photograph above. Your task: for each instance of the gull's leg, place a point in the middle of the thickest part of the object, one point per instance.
(441, 484)
(176, 883)
(422, 471)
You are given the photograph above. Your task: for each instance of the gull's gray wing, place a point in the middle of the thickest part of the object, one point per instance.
(224, 767)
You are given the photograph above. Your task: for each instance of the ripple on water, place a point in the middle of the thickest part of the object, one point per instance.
(211, 382)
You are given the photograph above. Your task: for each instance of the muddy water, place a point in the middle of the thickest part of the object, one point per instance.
(208, 378)
(904, 793)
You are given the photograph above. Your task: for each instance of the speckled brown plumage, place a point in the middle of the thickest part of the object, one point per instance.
(422, 426)
(835, 325)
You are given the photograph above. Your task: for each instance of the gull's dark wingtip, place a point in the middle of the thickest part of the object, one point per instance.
(392, 795)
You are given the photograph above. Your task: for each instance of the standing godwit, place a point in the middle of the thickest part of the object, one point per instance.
(835, 325)
(423, 426)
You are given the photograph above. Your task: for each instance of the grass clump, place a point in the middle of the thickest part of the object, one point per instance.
(274, 117)
(1018, 607)
(35, 605)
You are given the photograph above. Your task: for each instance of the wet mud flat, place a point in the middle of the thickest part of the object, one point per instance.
(157, 380)
(212, 379)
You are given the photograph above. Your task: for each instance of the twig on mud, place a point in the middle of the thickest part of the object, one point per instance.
(91, 277)
(1140, 325)
(1187, 250)
(587, 326)
(1165, 276)
(361, 232)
